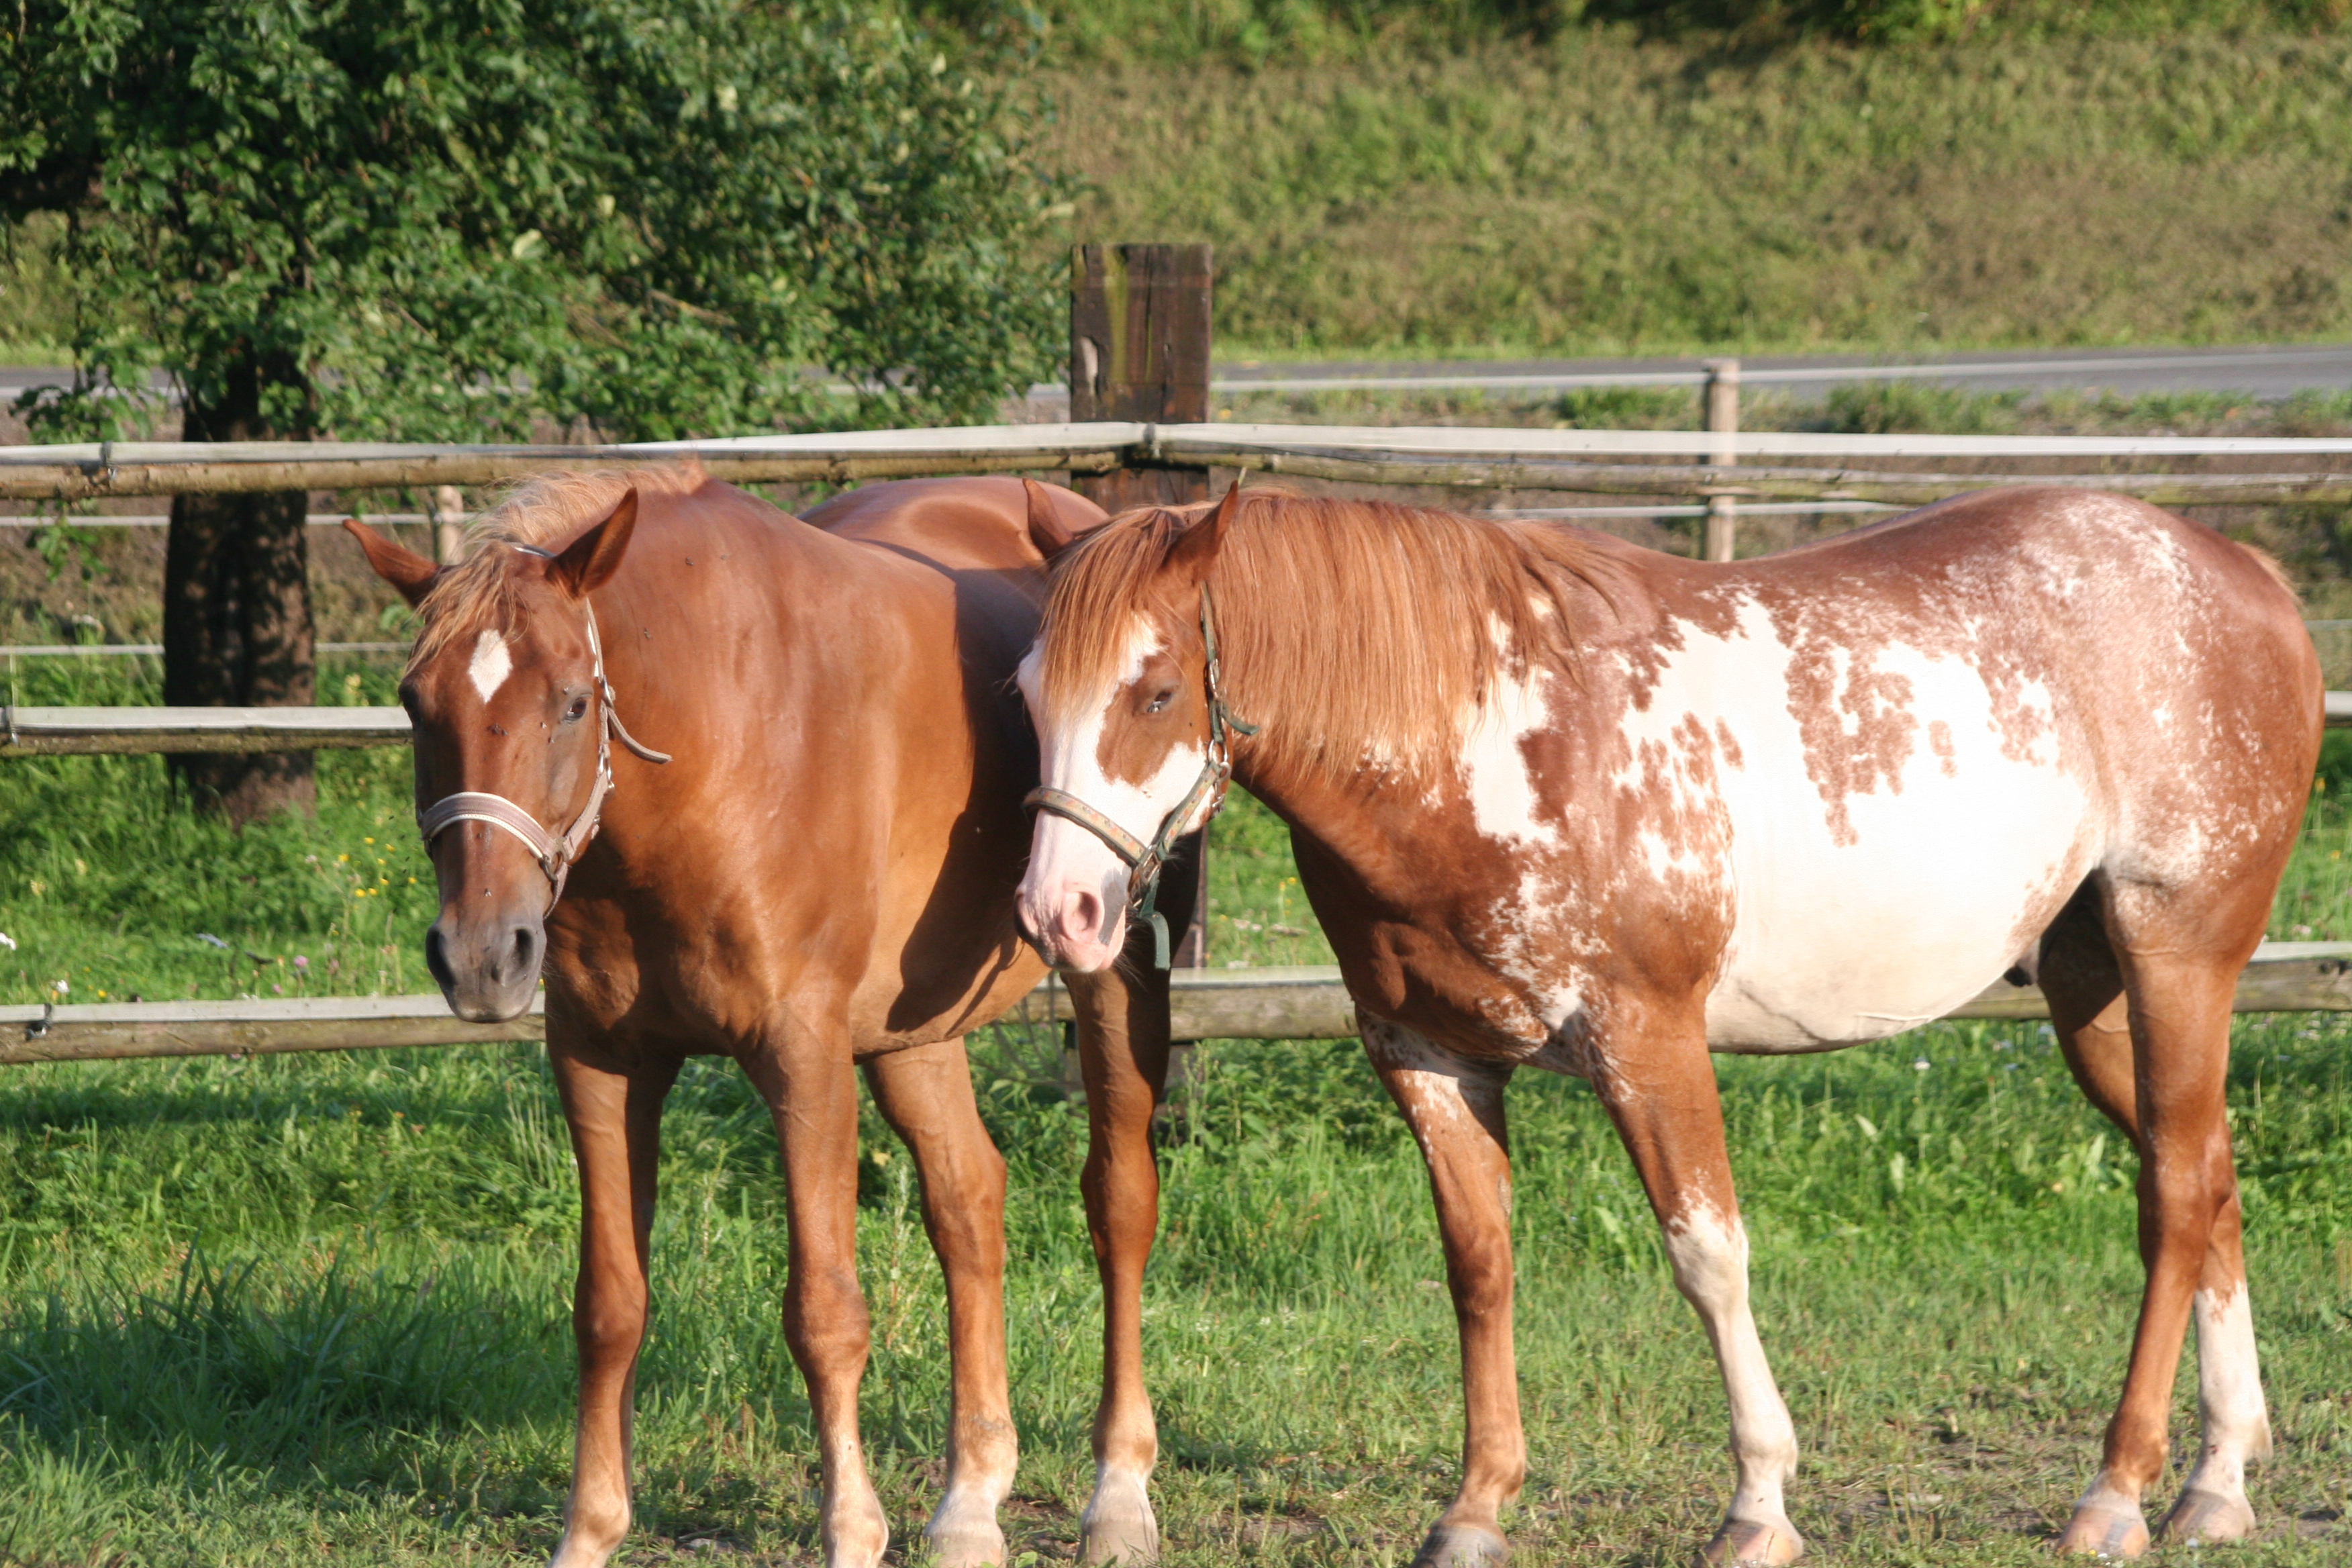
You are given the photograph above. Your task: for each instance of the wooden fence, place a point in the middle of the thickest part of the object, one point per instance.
(1270, 1004)
(1139, 392)
(1460, 457)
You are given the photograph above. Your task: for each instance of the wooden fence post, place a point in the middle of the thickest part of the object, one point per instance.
(1139, 325)
(1722, 419)
(1140, 351)
(448, 517)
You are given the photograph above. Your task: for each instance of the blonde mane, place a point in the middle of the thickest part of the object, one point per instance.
(543, 512)
(1363, 630)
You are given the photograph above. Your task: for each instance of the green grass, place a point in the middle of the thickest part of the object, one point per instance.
(1600, 194)
(269, 1310)
(107, 884)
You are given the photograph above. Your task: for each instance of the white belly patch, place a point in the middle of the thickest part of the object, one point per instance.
(1866, 914)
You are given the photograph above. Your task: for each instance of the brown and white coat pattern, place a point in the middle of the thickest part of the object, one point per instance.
(1781, 806)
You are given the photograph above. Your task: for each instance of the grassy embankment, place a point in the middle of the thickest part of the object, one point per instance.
(252, 1311)
(1598, 194)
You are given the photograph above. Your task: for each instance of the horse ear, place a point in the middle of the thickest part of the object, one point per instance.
(1196, 548)
(590, 559)
(395, 564)
(1047, 531)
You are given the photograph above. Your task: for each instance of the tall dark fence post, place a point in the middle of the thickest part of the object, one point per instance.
(1140, 351)
(1140, 318)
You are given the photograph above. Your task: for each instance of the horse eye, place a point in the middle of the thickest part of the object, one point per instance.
(1159, 703)
(578, 709)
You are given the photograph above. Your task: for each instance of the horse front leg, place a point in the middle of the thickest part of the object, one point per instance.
(1660, 1092)
(1455, 1111)
(811, 1087)
(925, 1094)
(1122, 1015)
(614, 1115)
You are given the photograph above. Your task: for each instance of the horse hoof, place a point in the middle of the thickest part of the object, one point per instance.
(966, 1544)
(2105, 1530)
(1118, 1526)
(1753, 1544)
(1118, 1543)
(2201, 1516)
(1461, 1546)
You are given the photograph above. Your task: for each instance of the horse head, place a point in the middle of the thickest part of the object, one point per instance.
(1132, 732)
(512, 720)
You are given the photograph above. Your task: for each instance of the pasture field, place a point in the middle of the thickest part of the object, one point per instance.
(315, 1308)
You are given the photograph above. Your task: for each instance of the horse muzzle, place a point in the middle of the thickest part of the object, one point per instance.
(487, 966)
(1073, 925)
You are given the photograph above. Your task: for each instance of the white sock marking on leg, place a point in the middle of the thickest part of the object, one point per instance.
(1710, 1259)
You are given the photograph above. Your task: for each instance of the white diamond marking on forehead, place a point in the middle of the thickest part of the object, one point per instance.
(492, 663)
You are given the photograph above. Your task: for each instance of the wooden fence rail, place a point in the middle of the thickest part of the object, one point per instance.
(1467, 457)
(1300, 1003)
(116, 732)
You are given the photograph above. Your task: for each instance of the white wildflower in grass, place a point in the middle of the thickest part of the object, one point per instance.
(8, 941)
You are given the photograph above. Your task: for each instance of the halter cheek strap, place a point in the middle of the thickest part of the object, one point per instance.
(1146, 861)
(555, 856)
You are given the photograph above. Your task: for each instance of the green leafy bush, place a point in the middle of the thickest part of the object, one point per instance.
(430, 220)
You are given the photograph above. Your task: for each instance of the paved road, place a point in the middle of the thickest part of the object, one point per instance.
(2267, 371)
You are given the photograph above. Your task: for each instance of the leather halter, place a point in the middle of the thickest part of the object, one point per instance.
(1146, 861)
(555, 855)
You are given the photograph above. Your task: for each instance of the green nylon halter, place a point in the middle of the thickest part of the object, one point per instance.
(1146, 861)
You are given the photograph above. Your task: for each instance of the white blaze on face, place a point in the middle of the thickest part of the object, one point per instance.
(491, 665)
(1066, 860)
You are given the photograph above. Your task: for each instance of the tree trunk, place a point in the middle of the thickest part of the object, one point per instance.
(237, 615)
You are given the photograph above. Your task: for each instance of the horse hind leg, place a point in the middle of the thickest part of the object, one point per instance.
(2186, 1051)
(925, 1094)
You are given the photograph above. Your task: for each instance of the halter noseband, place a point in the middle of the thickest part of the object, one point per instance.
(555, 856)
(1146, 861)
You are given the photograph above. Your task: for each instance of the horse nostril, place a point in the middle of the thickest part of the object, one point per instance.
(1084, 916)
(437, 958)
(526, 952)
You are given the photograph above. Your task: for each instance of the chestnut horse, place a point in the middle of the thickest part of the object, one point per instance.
(1564, 803)
(818, 878)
